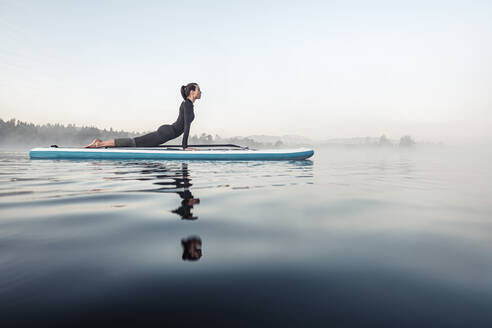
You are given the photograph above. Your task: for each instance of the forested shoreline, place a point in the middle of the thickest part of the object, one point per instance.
(18, 133)
(23, 134)
(15, 133)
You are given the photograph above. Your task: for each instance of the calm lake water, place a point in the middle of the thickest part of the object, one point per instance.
(350, 237)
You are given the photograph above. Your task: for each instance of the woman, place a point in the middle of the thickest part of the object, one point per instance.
(166, 132)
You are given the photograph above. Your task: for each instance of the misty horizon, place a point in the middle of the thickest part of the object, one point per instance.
(15, 132)
(317, 69)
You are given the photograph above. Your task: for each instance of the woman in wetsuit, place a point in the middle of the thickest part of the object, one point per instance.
(166, 132)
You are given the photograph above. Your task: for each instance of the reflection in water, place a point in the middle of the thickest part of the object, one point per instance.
(186, 205)
(172, 177)
(171, 180)
(180, 183)
(192, 248)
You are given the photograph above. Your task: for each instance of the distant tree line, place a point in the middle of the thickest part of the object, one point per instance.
(382, 142)
(18, 133)
(242, 141)
(405, 141)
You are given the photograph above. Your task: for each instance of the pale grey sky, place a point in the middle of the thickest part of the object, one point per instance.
(316, 68)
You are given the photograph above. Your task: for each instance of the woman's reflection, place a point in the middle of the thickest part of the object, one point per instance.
(173, 180)
(186, 205)
(188, 200)
(192, 248)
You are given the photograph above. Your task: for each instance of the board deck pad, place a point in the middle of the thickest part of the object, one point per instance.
(169, 153)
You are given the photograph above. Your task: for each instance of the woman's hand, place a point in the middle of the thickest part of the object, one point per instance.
(189, 148)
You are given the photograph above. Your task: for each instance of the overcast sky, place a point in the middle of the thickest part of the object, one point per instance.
(321, 69)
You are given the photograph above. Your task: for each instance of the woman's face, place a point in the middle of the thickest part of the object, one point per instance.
(197, 93)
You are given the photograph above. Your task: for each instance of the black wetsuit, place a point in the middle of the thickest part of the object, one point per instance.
(165, 132)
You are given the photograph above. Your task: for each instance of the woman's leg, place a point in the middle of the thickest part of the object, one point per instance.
(98, 143)
(163, 134)
(148, 140)
(124, 142)
(153, 139)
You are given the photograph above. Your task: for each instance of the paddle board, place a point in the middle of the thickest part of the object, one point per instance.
(169, 153)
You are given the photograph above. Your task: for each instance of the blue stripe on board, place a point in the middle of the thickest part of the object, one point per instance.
(66, 154)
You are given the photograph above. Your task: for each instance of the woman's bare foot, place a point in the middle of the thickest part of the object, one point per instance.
(94, 144)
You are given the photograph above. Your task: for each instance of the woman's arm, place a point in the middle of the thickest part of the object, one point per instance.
(188, 118)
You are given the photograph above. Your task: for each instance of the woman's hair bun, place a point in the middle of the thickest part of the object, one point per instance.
(185, 89)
